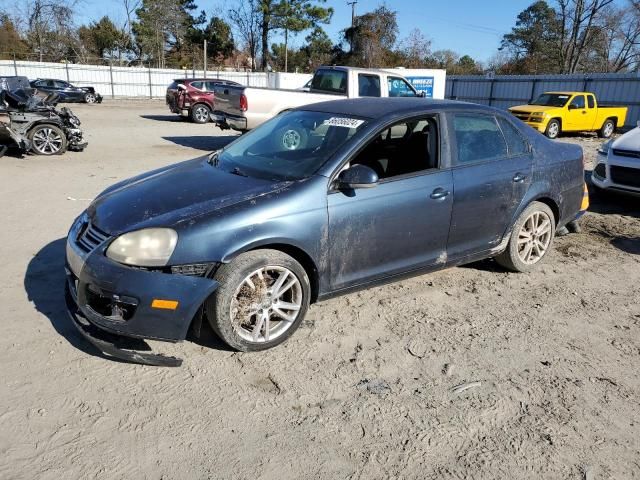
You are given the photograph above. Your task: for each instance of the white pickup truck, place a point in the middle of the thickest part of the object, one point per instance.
(243, 108)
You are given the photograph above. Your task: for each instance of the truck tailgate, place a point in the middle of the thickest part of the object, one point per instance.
(227, 99)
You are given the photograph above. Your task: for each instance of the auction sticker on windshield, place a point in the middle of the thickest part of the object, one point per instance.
(343, 122)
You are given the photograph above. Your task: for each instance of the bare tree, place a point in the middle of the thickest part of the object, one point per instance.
(578, 24)
(246, 20)
(50, 29)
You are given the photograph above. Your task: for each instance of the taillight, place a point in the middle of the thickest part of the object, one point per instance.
(244, 105)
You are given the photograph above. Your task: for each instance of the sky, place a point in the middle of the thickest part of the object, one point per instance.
(468, 27)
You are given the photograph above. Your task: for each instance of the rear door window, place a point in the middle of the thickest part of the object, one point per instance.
(516, 143)
(332, 81)
(591, 101)
(198, 85)
(478, 138)
(368, 85)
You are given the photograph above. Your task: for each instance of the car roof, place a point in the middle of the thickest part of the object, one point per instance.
(379, 107)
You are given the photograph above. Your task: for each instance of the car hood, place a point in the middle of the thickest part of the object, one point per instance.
(175, 194)
(628, 141)
(531, 108)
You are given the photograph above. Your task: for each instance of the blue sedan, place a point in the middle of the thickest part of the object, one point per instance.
(317, 202)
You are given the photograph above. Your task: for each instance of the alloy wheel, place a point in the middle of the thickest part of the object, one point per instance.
(534, 238)
(47, 141)
(608, 129)
(266, 304)
(90, 98)
(202, 114)
(554, 130)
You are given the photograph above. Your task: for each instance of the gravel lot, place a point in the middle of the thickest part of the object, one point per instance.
(363, 390)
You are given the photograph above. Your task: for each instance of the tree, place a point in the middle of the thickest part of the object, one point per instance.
(373, 37)
(50, 31)
(533, 43)
(297, 16)
(102, 38)
(162, 27)
(415, 49)
(318, 50)
(217, 33)
(578, 26)
(616, 46)
(246, 18)
(11, 43)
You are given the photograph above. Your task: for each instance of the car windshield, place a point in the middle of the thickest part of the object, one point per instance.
(291, 146)
(552, 100)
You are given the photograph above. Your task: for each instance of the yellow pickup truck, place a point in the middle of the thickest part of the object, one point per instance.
(555, 112)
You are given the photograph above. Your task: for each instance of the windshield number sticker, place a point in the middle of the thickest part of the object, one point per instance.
(343, 122)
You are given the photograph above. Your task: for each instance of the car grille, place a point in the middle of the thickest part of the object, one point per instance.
(625, 176)
(626, 153)
(524, 116)
(600, 170)
(90, 237)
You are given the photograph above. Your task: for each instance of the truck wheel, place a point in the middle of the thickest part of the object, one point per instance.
(553, 129)
(290, 138)
(262, 298)
(531, 239)
(200, 114)
(608, 127)
(47, 140)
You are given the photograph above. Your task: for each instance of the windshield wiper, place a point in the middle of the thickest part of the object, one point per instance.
(213, 158)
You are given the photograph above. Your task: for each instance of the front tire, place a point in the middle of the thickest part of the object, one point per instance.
(608, 127)
(47, 140)
(262, 298)
(90, 98)
(553, 129)
(200, 114)
(531, 239)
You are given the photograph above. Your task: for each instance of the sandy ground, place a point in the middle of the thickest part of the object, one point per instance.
(363, 390)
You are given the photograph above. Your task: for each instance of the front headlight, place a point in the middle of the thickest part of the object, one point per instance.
(604, 148)
(151, 247)
(538, 114)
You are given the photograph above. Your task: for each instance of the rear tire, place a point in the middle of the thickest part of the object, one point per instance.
(251, 310)
(608, 127)
(200, 113)
(553, 129)
(531, 239)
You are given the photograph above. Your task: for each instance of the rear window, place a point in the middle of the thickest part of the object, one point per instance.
(332, 81)
(591, 101)
(515, 141)
(479, 138)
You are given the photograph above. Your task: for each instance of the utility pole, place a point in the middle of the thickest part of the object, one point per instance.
(353, 20)
(205, 59)
(353, 12)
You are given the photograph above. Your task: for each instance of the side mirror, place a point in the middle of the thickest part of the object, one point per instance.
(358, 176)
(572, 106)
(422, 94)
(181, 87)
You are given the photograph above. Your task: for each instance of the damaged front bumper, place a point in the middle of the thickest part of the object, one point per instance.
(76, 139)
(117, 307)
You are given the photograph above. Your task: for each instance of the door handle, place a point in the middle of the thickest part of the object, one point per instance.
(584, 112)
(519, 178)
(439, 194)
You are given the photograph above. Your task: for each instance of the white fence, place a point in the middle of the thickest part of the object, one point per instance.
(139, 81)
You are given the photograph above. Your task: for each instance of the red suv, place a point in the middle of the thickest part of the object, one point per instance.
(193, 97)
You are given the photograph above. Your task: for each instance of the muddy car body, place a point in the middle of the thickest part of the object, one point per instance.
(371, 191)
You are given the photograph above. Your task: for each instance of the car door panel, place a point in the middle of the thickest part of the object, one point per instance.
(392, 228)
(487, 193)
